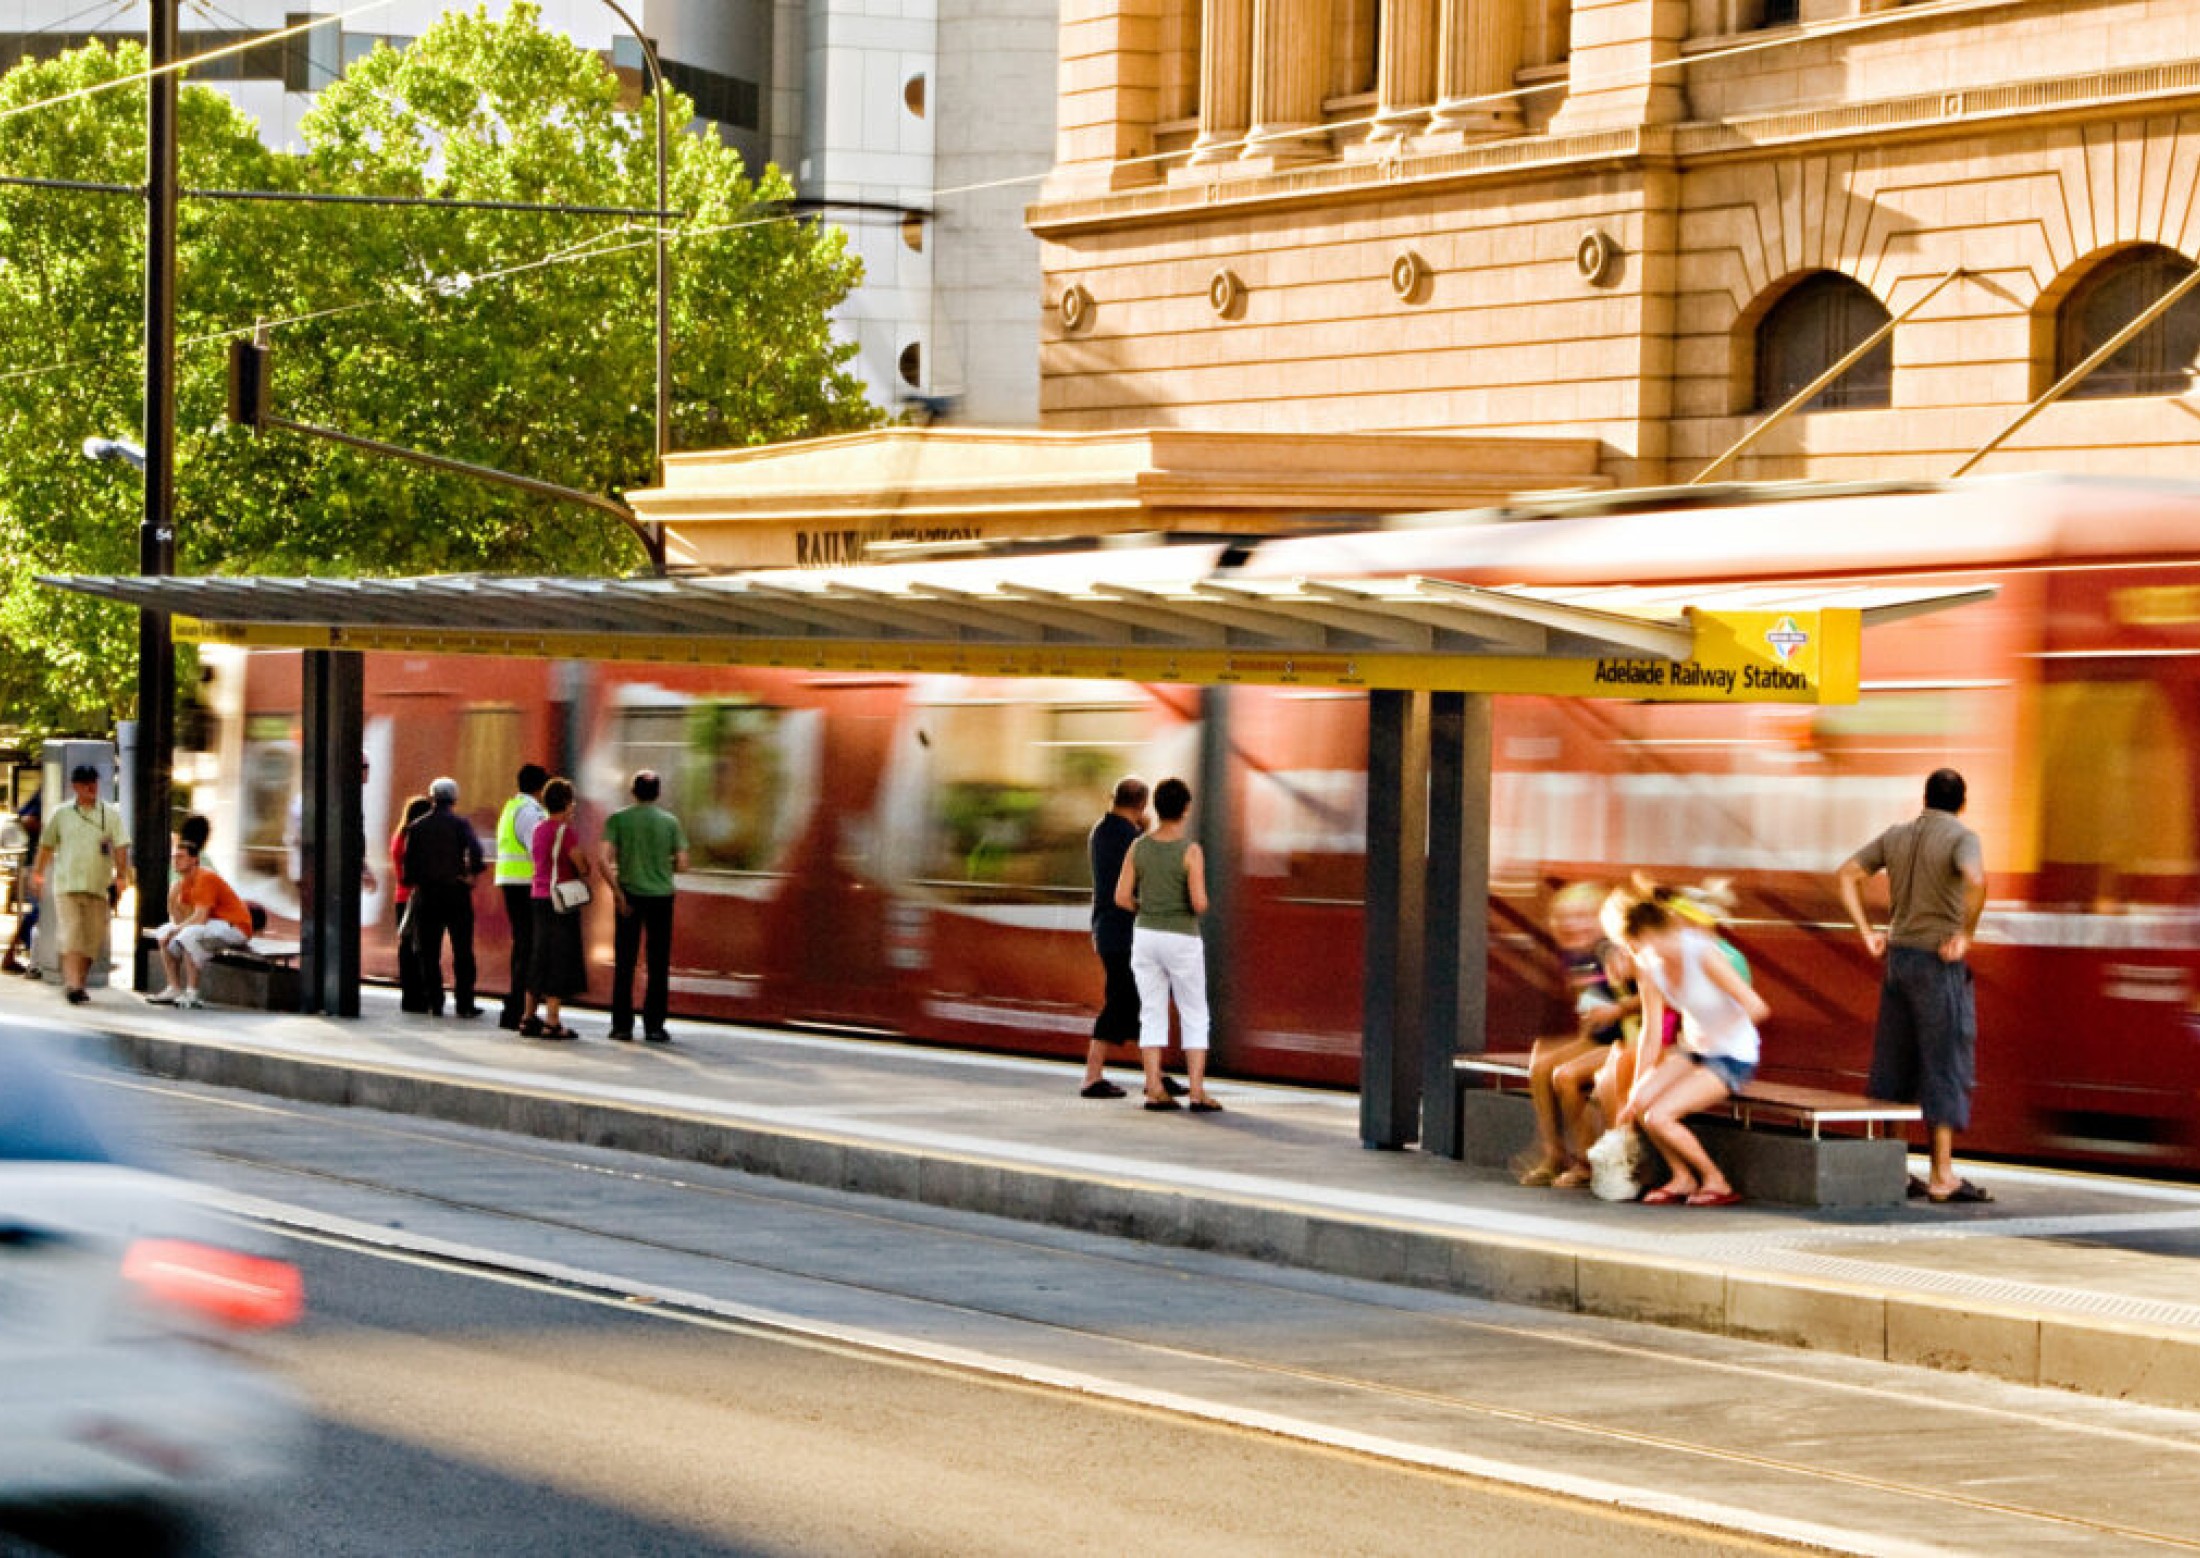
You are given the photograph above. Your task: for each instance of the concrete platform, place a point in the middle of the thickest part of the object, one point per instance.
(2081, 1282)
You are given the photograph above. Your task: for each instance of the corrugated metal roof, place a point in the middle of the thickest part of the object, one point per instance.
(1092, 600)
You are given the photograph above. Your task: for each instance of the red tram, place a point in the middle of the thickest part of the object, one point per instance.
(906, 854)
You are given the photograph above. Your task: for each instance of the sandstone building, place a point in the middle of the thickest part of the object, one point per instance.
(1646, 222)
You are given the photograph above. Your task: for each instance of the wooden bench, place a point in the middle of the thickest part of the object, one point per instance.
(1810, 1108)
(1771, 1137)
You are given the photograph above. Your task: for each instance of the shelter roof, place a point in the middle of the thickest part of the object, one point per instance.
(1164, 614)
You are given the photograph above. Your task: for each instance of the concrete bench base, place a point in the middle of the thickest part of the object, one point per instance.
(1765, 1164)
(240, 979)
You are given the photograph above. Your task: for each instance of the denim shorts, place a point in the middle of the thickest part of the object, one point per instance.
(1734, 1073)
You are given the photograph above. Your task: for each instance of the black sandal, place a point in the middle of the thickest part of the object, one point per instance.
(1163, 1102)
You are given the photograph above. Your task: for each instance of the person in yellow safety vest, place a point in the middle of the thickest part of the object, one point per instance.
(515, 879)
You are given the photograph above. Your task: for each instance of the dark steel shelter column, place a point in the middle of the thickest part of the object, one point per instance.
(156, 741)
(1222, 836)
(332, 831)
(1397, 826)
(1456, 921)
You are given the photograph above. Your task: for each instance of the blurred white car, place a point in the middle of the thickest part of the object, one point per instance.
(128, 1391)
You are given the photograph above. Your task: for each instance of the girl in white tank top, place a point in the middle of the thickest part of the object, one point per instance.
(1717, 1054)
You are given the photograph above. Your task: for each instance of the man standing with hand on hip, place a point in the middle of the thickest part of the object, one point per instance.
(643, 849)
(1924, 1050)
(86, 847)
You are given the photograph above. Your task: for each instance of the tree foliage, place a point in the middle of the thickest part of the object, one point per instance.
(522, 341)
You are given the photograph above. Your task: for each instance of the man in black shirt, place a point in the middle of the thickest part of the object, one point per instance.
(1111, 840)
(442, 858)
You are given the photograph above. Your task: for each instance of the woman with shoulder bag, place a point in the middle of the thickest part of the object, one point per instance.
(561, 891)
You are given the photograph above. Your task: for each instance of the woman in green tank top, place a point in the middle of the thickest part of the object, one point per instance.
(1164, 882)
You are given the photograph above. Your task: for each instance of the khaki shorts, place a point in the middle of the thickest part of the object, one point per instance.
(84, 921)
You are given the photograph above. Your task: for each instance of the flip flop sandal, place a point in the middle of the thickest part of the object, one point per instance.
(1966, 1191)
(1715, 1198)
(1205, 1106)
(1572, 1179)
(1163, 1102)
(1666, 1197)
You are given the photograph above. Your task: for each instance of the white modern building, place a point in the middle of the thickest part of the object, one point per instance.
(920, 126)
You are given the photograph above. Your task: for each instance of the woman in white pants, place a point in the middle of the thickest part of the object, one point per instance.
(1164, 881)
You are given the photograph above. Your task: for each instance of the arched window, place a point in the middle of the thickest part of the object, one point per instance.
(2162, 359)
(1820, 321)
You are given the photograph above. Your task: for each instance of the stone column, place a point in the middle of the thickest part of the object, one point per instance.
(1106, 99)
(1405, 72)
(1225, 79)
(1622, 66)
(1291, 40)
(1477, 57)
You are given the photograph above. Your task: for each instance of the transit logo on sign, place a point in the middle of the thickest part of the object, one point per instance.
(1786, 639)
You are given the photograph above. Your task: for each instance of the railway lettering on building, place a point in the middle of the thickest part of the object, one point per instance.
(845, 548)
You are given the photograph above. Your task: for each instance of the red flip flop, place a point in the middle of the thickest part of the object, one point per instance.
(1665, 1198)
(1715, 1198)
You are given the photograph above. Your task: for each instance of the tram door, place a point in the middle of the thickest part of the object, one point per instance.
(2114, 934)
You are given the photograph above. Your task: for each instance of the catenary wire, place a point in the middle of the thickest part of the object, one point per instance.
(1787, 38)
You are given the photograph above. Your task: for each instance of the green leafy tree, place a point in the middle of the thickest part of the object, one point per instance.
(522, 341)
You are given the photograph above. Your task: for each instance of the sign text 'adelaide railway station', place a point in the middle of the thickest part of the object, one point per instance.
(1693, 674)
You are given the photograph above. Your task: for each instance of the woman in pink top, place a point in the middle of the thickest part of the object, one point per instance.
(561, 962)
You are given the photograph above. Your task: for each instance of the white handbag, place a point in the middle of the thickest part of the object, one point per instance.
(571, 894)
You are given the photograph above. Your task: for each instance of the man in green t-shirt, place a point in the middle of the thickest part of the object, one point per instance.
(643, 848)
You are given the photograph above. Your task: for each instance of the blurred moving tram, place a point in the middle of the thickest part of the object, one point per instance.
(905, 854)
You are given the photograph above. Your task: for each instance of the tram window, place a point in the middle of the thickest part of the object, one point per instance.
(1820, 321)
(1015, 788)
(2116, 825)
(2161, 359)
(488, 755)
(737, 774)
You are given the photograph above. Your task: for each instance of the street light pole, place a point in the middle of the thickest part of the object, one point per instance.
(156, 740)
(664, 263)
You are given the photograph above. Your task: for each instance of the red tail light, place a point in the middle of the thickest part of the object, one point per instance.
(246, 1291)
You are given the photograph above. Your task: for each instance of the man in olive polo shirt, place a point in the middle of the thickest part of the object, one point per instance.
(643, 848)
(1924, 1049)
(85, 846)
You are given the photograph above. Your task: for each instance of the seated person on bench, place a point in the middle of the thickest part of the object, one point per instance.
(1598, 1009)
(1681, 968)
(210, 918)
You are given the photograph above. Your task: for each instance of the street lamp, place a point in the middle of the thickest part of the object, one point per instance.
(109, 450)
(664, 264)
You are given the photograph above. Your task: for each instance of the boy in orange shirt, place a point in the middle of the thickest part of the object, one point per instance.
(213, 918)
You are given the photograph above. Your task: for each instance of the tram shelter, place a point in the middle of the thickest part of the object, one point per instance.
(1318, 612)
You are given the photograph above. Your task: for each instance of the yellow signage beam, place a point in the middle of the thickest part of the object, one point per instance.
(1738, 657)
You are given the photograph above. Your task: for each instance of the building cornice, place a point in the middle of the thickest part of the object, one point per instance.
(2095, 95)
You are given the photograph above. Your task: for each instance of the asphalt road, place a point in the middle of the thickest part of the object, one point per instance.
(462, 1413)
(519, 1347)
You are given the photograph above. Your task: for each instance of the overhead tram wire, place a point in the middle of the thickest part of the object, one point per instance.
(1788, 38)
(1794, 37)
(138, 78)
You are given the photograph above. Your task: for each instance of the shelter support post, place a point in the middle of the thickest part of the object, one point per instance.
(1397, 831)
(1456, 922)
(332, 830)
(1222, 837)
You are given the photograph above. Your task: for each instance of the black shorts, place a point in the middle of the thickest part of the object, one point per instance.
(1118, 1019)
(1925, 1048)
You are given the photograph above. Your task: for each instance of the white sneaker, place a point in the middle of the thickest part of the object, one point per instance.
(165, 997)
(188, 1001)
